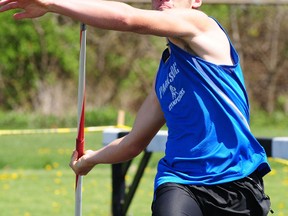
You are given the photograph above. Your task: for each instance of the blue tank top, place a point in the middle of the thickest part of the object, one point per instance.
(207, 114)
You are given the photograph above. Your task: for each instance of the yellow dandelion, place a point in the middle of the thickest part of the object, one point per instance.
(61, 151)
(64, 191)
(68, 151)
(55, 165)
(57, 192)
(14, 176)
(57, 181)
(59, 174)
(148, 170)
(55, 205)
(6, 187)
(141, 192)
(4, 176)
(94, 183)
(27, 214)
(285, 182)
(272, 173)
(48, 167)
(281, 205)
(108, 187)
(43, 151)
(127, 177)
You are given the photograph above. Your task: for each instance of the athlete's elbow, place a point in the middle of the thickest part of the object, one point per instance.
(129, 23)
(134, 150)
(136, 142)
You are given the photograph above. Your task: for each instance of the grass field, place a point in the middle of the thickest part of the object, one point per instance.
(35, 179)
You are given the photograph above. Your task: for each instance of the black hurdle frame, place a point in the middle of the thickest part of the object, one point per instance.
(122, 195)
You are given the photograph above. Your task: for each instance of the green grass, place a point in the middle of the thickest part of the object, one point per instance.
(276, 183)
(35, 179)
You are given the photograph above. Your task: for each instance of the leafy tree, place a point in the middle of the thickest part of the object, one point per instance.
(39, 60)
(34, 52)
(264, 48)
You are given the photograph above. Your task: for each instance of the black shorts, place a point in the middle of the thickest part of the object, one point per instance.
(242, 197)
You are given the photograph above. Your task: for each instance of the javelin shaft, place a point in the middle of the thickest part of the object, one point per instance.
(81, 117)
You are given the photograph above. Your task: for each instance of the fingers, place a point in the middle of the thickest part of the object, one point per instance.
(8, 5)
(80, 165)
(4, 2)
(21, 15)
(30, 9)
(74, 155)
(73, 161)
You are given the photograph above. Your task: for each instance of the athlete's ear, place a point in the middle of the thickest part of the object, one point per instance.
(196, 4)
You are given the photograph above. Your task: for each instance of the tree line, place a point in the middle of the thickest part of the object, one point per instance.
(39, 60)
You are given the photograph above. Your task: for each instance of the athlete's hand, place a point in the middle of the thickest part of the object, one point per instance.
(81, 166)
(30, 8)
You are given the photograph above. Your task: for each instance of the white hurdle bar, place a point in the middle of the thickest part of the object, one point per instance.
(275, 147)
(121, 197)
(157, 144)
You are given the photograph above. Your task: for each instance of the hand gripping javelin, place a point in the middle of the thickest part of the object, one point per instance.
(81, 117)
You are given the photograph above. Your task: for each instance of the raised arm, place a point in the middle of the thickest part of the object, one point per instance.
(186, 27)
(148, 122)
(110, 15)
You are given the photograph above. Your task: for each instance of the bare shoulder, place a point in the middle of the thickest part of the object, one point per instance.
(208, 41)
(175, 22)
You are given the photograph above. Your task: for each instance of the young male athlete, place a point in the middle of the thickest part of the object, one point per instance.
(213, 165)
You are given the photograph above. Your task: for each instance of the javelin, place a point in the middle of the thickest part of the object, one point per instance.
(81, 117)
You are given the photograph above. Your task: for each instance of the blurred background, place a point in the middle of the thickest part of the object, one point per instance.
(39, 67)
(38, 90)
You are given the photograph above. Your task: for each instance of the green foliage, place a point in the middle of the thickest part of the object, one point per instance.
(220, 12)
(31, 51)
(13, 120)
(97, 117)
(38, 55)
(15, 69)
(20, 120)
(101, 116)
(260, 117)
(269, 125)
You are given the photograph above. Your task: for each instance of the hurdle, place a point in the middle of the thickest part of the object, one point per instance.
(122, 196)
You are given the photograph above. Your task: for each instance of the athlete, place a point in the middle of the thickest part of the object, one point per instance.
(213, 165)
